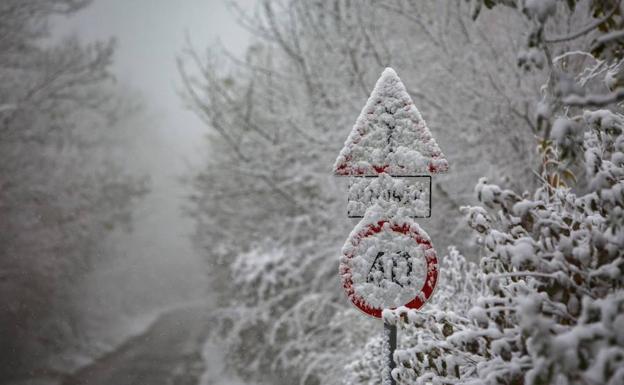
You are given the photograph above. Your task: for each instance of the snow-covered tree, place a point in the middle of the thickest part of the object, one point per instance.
(60, 190)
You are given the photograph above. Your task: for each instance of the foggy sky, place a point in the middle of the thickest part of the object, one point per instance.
(169, 143)
(150, 34)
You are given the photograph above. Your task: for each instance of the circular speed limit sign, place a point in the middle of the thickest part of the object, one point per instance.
(388, 263)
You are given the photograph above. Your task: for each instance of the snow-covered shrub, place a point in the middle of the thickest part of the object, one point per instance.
(552, 309)
(422, 334)
(554, 264)
(279, 323)
(546, 304)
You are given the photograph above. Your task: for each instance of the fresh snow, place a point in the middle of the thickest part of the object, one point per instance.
(386, 259)
(390, 136)
(411, 194)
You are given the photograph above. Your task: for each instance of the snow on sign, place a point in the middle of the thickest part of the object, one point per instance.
(411, 193)
(386, 260)
(390, 136)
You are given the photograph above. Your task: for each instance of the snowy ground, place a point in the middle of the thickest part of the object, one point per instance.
(168, 352)
(214, 373)
(157, 346)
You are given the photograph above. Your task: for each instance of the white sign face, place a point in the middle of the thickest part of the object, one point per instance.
(413, 194)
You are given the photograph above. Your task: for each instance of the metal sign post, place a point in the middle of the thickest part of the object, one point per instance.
(388, 260)
(390, 344)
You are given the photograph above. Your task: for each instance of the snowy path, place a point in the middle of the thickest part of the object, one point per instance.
(169, 352)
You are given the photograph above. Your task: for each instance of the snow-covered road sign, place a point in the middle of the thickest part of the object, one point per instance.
(388, 260)
(390, 136)
(390, 155)
(390, 139)
(388, 263)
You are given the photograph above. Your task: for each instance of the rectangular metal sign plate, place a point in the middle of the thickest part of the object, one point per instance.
(412, 193)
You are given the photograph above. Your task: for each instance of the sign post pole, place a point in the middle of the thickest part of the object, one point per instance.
(390, 343)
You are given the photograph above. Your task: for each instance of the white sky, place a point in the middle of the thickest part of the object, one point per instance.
(150, 34)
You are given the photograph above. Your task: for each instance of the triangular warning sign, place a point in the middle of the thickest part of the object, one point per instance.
(390, 136)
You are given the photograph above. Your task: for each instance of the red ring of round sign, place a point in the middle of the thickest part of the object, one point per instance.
(432, 266)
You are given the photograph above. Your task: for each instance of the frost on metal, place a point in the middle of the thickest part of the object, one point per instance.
(411, 194)
(386, 348)
(390, 136)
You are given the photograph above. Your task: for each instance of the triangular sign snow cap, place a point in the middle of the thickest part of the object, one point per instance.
(390, 136)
